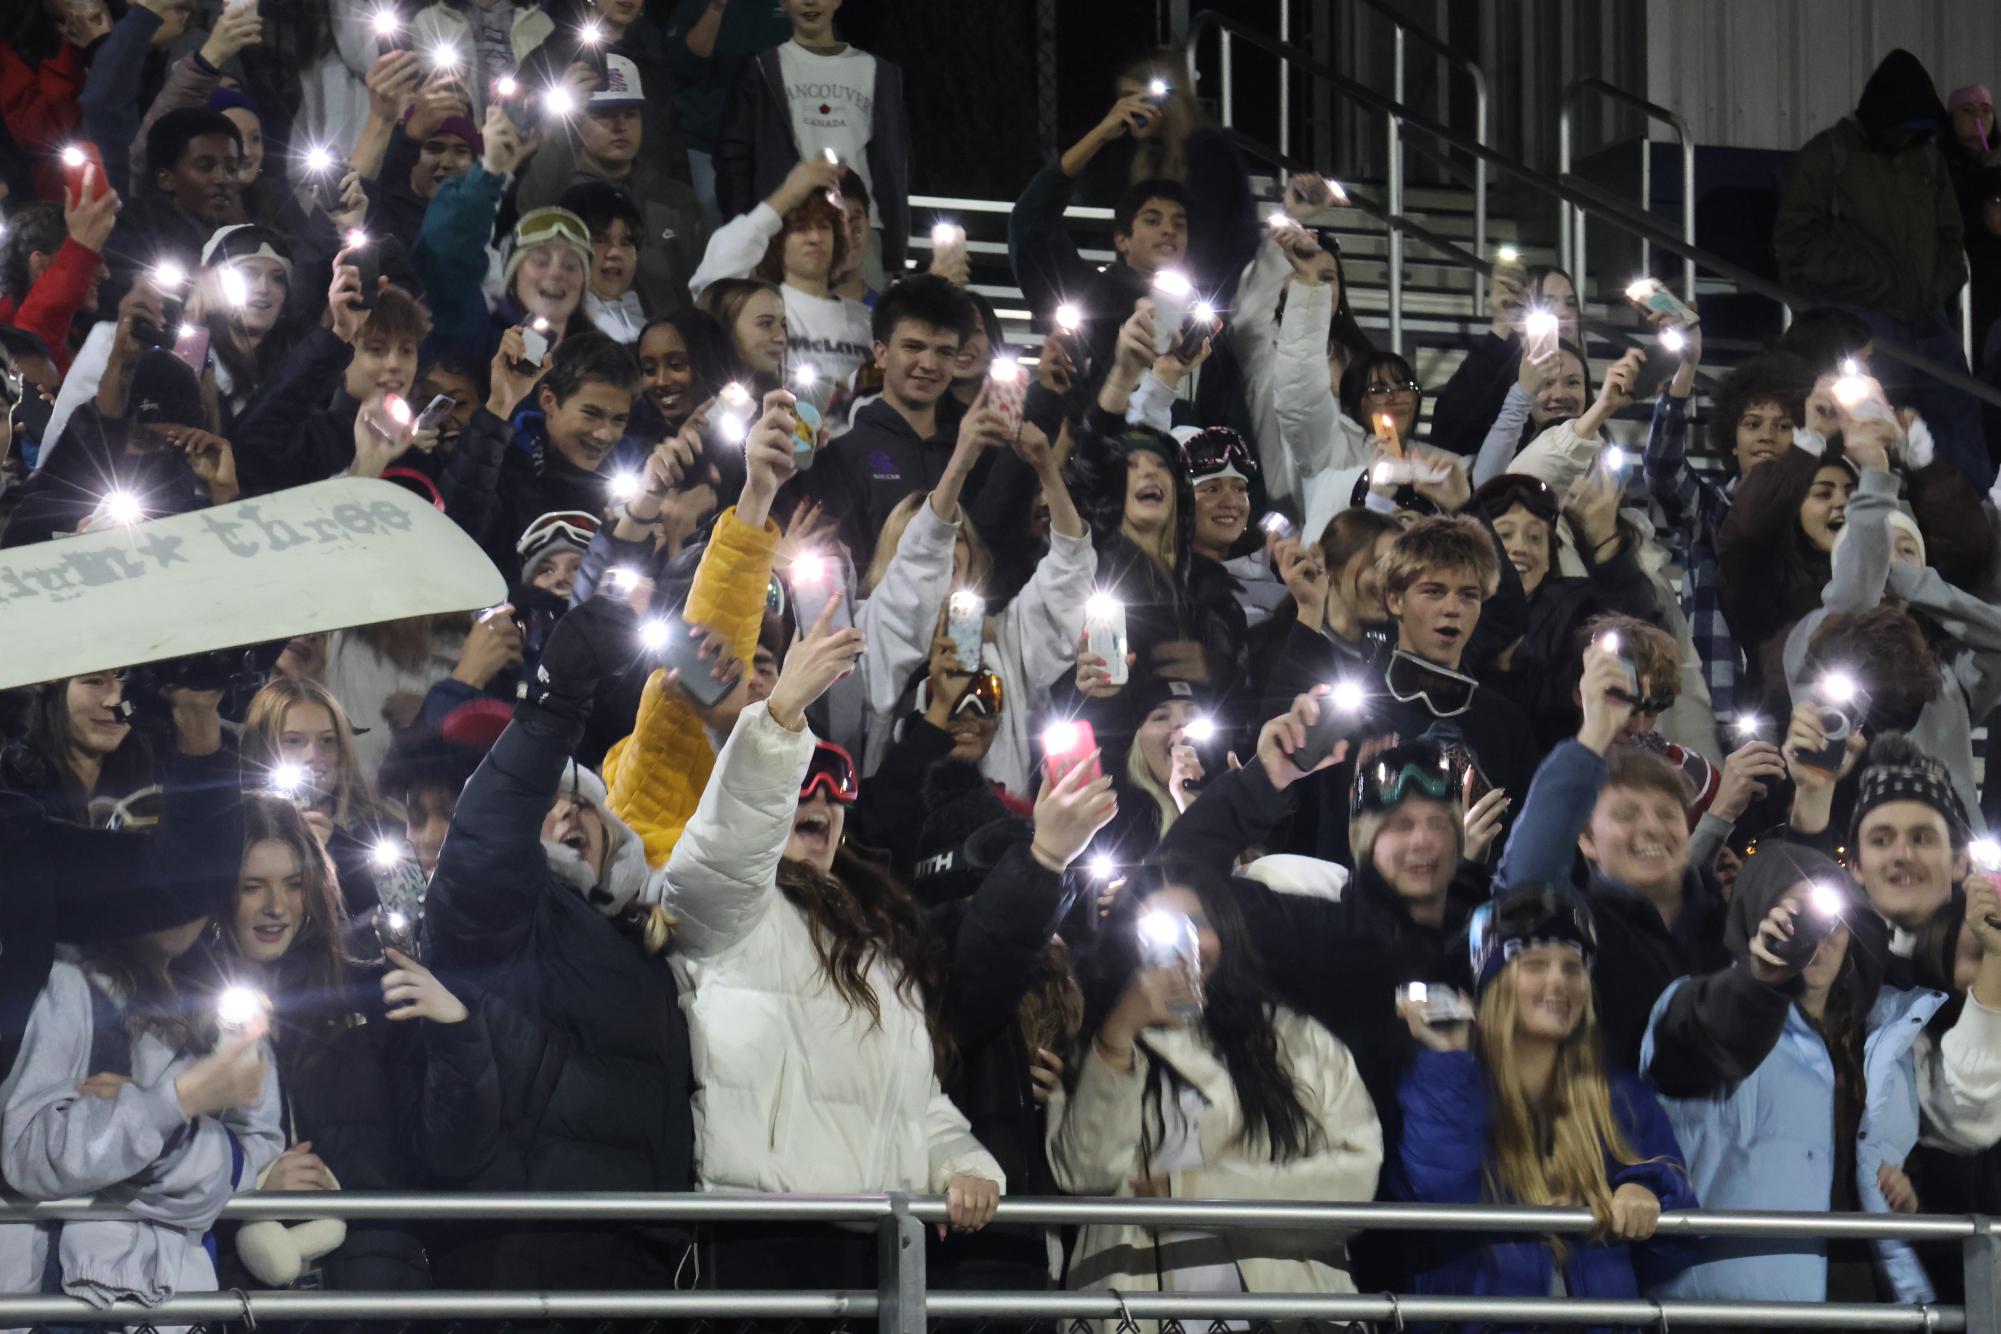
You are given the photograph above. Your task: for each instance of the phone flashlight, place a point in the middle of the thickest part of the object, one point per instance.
(805, 377)
(285, 780)
(1348, 696)
(1616, 461)
(833, 159)
(1278, 524)
(122, 507)
(1006, 370)
(1157, 88)
(624, 578)
(386, 23)
(444, 57)
(398, 409)
(1069, 319)
(808, 568)
(1540, 325)
(385, 854)
(234, 290)
(623, 486)
(318, 159)
(1508, 254)
(1060, 737)
(1101, 867)
(73, 156)
(237, 1008)
(591, 34)
(168, 275)
(1199, 730)
(945, 234)
(1986, 854)
(559, 101)
(1748, 725)
(1851, 389)
(1673, 339)
(653, 636)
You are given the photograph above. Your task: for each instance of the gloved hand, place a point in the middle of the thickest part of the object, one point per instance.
(593, 641)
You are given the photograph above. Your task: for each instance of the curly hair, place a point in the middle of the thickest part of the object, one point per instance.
(1771, 377)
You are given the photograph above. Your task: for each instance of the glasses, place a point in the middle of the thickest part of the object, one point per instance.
(983, 694)
(834, 769)
(1216, 450)
(1444, 692)
(1411, 387)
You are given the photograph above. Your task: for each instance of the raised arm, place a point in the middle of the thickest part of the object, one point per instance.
(1543, 846)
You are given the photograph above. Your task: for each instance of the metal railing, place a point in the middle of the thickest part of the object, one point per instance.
(1402, 33)
(1568, 189)
(1572, 217)
(901, 1303)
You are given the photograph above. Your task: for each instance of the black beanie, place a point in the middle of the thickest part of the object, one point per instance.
(1898, 769)
(967, 828)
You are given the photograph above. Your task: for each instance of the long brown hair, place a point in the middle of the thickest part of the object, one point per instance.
(1555, 1157)
(49, 741)
(1051, 1013)
(860, 913)
(151, 995)
(312, 976)
(264, 724)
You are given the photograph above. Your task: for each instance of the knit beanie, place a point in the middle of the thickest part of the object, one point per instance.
(613, 889)
(1519, 919)
(541, 226)
(1898, 769)
(967, 829)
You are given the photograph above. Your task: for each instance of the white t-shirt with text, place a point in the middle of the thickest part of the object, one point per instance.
(833, 104)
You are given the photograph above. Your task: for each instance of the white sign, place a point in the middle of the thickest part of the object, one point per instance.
(323, 557)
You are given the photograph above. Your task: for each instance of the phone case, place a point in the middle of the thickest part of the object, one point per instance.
(1170, 311)
(1057, 763)
(534, 348)
(434, 413)
(684, 654)
(1329, 729)
(805, 436)
(192, 348)
(93, 165)
(366, 260)
(1007, 396)
(966, 623)
(1659, 299)
(1105, 635)
(809, 596)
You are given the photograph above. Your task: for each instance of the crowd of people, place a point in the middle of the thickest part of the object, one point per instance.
(1163, 761)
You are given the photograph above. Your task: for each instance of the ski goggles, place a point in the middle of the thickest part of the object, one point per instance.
(1418, 768)
(834, 769)
(983, 695)
(1443, 692)
(568, 527)
(1216, 452)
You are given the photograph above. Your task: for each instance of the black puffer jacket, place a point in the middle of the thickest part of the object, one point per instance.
(590, 1050)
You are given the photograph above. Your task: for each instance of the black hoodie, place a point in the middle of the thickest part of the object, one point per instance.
(1899, 104)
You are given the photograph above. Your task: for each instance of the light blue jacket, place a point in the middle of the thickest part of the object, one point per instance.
(1768, 1143)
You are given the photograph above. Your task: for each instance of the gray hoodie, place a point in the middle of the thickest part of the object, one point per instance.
(136, 1151)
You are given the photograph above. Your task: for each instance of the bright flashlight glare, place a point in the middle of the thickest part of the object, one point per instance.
(1101, 867)
(74, 156)
(1826, 900)
(1061, 738)
(396, 921)
(540, 325)
(946, 234)
(1837, 687)
(1508, 254)
(356, 238)
(1068, 318)
(1276, 523)
(1850, 366)
(1156, 88)
(806, 377)
(1102, 607)
(1615, 459)
(1639, 289)
(1748, 724)
(398, 409)
(1609, 641)
(809, 569)
(624, 578)
(735, 395)
(833, 158)
(122, 507)
(1199, 729)
(1540, 324)
(560, 101)
(286, 779)
(653, 636)
(1850, 390)
(385, 23)
(1004, 370)
(1348, 695)
(1673, 339)
(506, 86)
(169, 275)
(590, 34)
(1986, 854)
(965, 604)
(234, 290)
(1205, 313)
(188, 331)
(1163, 928)
(319, 159)
(623, 486)
(444, 57)
(385, 855)
(732, 428)
(239, 1007)
(1173, 282)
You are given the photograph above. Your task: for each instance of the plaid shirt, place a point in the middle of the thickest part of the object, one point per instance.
(1695, 507)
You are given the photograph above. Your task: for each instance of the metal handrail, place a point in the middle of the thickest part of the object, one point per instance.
(1574, 190)
(1401, 32)
(1572, 233)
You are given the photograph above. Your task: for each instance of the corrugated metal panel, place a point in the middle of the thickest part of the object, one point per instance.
(1772, 73)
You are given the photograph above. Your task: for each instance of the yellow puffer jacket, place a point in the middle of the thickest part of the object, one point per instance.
(657, 774)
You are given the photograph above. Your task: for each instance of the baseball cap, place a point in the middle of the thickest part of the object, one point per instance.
(620, 87)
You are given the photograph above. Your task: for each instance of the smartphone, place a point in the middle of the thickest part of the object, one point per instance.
(395, 931)
(368, 260)
(392, 420)
(1007, 389)
(1188, 342)
(191, 346)
(966, 625)
(1340, 715)
(814, 580)
(434, 413)
(1631, 694)
(82, 159)
(1447, 1007)
(1105, 634)
(1065, 746)
(683, 652)
(1654, 373)
(1169, 940)
(806, 422)
(1651, 294)
(534, 346)
(1172, 295)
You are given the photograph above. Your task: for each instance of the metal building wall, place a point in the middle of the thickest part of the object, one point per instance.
(1772, 73)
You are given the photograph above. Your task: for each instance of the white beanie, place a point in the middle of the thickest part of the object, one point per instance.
(615, 888)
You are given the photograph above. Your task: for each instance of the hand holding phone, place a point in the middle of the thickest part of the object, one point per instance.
(1067, 744)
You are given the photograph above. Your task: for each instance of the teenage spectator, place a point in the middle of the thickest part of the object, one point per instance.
(813, 96)
(538, 882)
(195, 80)
(418, 136)
(708, 44)
(1252, 1100)
(752, 313)
(1473, 397)
(588, 35)
(607, 148)
(424, 774)
(1524, 1105)
(78, 745)
(125, 73)
(850, 280)
(192, 185)
(1655, 905)
(452, 255)
(611, 301)
(1868, 220)
(558, 454)
(52, 266)
(798, 238)
(684, 361)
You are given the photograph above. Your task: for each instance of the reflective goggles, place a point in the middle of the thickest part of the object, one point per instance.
(834, 769)
(578, 526)
(1418, 768)
(1444, 692)
(1217, 450)
(983, 695)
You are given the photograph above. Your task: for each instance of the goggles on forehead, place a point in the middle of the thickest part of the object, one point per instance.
(1215, 451)
(832, 768)
(983, 695)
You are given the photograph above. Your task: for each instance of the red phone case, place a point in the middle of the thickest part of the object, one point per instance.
(93, 163)
(1056, 764)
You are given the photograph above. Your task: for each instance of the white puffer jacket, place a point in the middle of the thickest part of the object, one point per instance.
(796, 1089)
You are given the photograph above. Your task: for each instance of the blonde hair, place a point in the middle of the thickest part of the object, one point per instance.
(1441, 542)
(1581, 1129)
(1142, 778)
(979, 563)
(264, 724)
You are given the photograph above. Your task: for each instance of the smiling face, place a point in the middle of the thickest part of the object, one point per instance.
(1562, 395)
(972, 734)
(265, 287)
(465, 396)
(550, 282)
(1552, 991)
(1905, 860)
(614, 260)
(91, 703)
(917, 363)
(1157, 735)
(1525, 538)
(1158, 240)
(383, 364)
(270, 901)
(610, 137)
(558, 574)
(1222, 511)
(207, 180)
(975, 355)
(439, 158)
(812, 20)
(1149, 492)
(585, 427)
(1389, 392)
(759, 333)
(1417, 849)
(579, 828)
(668, 370)
(309, 738)
(1435, 616)
(1825, 508)
(1638, 836)
(1763, 433)
(818, 825)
